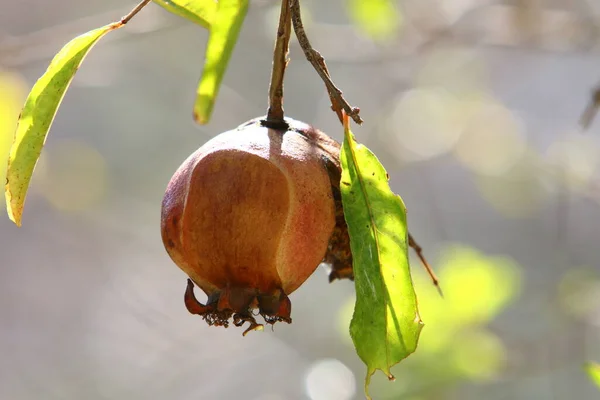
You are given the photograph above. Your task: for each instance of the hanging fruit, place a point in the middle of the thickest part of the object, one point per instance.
(249, 217)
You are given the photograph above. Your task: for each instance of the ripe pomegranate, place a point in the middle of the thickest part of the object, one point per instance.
(251, 214)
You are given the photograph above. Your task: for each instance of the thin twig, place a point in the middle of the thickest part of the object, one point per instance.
(434, 279)
(31, 47)
(591, 110)
(318, 63)
(280, 61)
(133, 12)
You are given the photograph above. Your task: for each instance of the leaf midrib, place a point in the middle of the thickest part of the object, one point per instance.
(374, 229)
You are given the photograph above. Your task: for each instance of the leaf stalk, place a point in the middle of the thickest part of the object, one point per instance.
(338, 102)
(133, 12)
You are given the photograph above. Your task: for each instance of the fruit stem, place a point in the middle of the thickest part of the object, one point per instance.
(318, 62)
(280, 61)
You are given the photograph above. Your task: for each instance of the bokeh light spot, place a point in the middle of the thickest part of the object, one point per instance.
(330, 379)
(518, 192)
(75, 176)
(579, 292)
(379, 19)
(493, 140)
(476, 288)
(460, 72)
(479, 355)
(426, 122)
(574, 159)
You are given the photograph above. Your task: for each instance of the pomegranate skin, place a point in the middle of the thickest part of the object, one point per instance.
(248, 217)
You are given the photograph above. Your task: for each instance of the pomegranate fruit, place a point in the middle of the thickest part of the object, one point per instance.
(250, 215)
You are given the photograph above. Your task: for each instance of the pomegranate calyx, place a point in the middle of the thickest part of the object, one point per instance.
(237, 304)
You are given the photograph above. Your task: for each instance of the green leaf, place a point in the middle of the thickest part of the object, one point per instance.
(224, 19)
(37, 116)
(385, 327)
(593, 370)
(224, 31)
(379, 19)
(201, 12)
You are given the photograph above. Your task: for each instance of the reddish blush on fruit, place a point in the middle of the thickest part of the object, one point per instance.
(249, 217)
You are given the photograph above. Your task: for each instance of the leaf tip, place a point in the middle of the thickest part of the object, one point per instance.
(418, 320)
(198, 118)
(202, 109)
(13, 215)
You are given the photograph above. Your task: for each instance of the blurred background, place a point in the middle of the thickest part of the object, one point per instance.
(471, 105)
